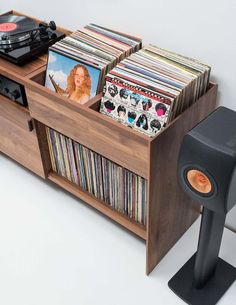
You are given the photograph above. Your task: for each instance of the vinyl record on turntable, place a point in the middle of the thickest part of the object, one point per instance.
(21, 37)
(13, 29)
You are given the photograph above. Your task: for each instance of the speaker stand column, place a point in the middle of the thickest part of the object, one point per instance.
(205, 277)
(212, 227)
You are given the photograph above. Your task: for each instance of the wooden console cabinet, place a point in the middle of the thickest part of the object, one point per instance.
(169, 211)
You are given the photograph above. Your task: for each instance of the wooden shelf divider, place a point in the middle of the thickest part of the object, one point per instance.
(99, 205)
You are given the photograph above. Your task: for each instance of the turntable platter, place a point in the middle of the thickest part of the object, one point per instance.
(13, 29)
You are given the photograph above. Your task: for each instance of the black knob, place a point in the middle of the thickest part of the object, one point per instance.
(15, 94)
(5, 90)
(52, 25)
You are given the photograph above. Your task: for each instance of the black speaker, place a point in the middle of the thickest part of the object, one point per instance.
(207, 173)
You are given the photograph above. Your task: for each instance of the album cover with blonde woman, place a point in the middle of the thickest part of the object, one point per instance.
(77, 80)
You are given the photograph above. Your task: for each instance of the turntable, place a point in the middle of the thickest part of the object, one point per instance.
(21, 37)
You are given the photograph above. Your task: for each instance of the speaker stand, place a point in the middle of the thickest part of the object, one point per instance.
(205, 277)
(182, 283)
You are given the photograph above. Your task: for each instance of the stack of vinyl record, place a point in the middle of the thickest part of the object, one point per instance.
(78, 63)
(123, 190)
(151, 87)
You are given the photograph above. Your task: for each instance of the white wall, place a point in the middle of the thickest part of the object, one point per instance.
(204, 29)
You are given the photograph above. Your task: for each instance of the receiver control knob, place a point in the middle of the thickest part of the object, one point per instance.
(5, 90)
(15, 94)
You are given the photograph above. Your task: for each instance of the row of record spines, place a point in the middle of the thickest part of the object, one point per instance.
(120, 188)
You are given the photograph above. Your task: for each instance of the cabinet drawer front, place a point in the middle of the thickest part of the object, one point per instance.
(90, 128)
(16, 140)
(14, 113)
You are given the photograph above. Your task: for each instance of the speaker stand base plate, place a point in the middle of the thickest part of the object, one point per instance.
(181, 283)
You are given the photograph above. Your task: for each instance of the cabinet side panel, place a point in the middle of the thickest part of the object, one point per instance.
(171, 212)
(43, 146)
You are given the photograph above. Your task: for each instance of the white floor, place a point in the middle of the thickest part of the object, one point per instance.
(55, 250)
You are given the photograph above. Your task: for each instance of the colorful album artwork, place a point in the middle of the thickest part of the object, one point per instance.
(134, 106)
(72, 78)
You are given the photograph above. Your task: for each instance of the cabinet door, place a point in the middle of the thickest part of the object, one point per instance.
(16, 139)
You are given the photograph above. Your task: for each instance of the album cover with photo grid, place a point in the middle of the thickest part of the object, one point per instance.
(151, 87)
(135, 106)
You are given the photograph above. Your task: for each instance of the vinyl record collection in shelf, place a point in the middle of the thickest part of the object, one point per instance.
(123, 190)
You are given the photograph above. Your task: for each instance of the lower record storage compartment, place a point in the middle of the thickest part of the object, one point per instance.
(118, 187)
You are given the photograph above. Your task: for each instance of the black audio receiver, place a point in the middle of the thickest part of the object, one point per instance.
(13, 91)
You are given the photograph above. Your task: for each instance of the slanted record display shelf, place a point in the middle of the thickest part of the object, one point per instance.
(169, 211)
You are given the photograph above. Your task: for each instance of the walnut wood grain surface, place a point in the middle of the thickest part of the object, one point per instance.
(16, 140)
(99, 205)
(170, 210)
(43, 146)
(92, 129)
(14, 112)
(9, 69)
